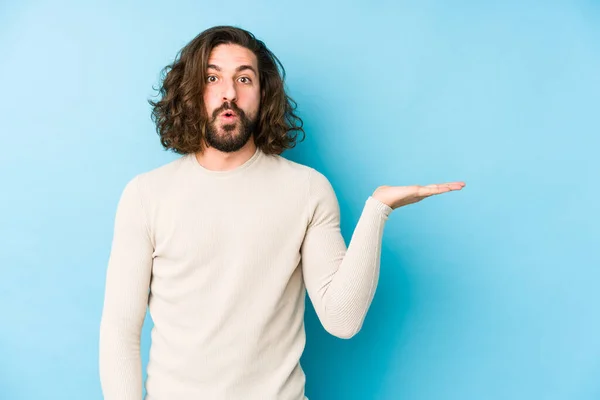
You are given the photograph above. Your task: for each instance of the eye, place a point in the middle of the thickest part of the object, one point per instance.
(247, 80)
(211, 79)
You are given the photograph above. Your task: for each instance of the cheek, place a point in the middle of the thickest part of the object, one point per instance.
(254, 101)
(210, 102)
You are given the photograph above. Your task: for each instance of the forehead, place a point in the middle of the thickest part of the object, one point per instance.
(230, 56)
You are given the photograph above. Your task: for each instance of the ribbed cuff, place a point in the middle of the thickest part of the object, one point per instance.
(378, 206)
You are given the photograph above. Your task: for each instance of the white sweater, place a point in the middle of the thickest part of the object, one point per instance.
(223, 260)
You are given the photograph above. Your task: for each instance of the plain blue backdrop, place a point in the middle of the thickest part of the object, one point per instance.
(488, 293)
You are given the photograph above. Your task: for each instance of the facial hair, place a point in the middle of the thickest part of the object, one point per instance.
(229, 137)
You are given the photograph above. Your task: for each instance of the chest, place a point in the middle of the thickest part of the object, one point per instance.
(216, 227)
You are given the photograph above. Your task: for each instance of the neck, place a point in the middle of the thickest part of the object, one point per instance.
(216, 160)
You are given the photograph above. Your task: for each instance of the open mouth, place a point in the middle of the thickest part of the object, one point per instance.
(228, 115)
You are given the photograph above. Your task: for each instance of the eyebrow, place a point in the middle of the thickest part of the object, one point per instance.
(238, 69)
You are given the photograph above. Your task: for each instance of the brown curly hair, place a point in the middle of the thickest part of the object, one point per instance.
(180, 115)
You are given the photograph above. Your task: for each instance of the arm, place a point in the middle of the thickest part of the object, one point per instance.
(126, 296)
(341, 281)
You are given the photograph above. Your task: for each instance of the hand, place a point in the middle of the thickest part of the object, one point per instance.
(398, 196)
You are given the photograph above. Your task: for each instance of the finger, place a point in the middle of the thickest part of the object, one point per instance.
(438, 188)
(456, 185)
(434, 189)
(453, 185)
(459, 184)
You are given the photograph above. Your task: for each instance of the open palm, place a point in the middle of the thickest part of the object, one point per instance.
(398, 196)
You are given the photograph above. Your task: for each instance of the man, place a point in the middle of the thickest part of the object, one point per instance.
(223, 243)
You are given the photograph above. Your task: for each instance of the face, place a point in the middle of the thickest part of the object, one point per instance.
(231, 96)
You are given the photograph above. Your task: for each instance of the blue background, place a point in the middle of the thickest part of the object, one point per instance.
(487, 293)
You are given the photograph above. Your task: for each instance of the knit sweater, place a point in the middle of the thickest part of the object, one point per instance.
(223, 261)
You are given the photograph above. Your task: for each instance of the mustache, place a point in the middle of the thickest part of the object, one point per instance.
(228, 106)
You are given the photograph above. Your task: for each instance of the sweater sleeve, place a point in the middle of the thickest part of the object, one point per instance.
(341, 281)
(125, 301)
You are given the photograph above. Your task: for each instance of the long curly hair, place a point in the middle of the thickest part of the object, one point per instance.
(180, 114)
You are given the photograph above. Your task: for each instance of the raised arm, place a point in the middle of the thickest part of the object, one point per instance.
(126, 297)
(341, 281)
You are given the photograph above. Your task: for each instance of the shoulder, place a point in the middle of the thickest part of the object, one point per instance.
(312, 183)
(152, 182)
(165, 172)
(285, 165)
(295, 170)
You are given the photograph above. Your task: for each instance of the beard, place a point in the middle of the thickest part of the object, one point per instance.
(230, 137)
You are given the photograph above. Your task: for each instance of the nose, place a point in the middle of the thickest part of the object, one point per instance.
(229, 92)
